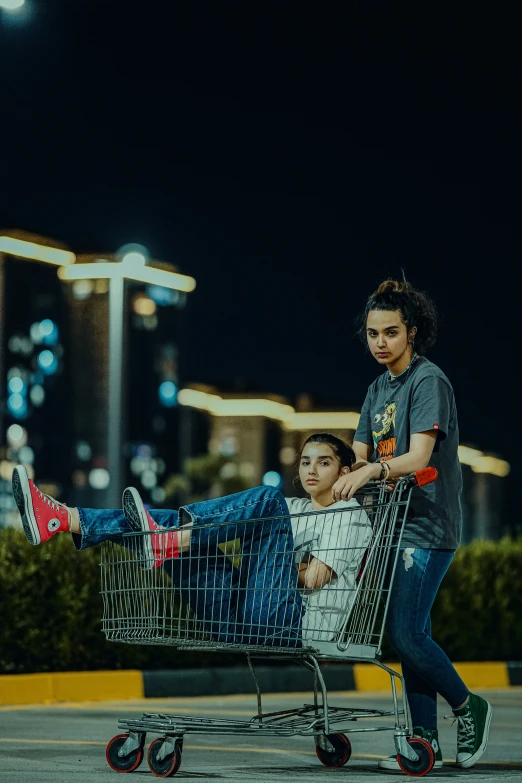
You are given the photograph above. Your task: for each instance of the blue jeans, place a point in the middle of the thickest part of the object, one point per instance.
(256, 602)
(426, 668)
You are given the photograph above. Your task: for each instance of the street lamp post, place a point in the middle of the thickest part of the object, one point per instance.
(115, 402)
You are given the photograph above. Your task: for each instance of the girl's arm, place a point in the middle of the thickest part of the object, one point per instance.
(313, 574)
(421, 449)
(418, 456)
(363, 452)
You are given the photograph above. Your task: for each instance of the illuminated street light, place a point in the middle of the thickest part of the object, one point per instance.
(12, 5)
(130, 269)
(35, 251)
(132, 266)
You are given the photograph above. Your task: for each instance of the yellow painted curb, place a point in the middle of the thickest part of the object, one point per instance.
(494, 674)
(26, 688)
(369, 677)
(70, 686)
(108, 685)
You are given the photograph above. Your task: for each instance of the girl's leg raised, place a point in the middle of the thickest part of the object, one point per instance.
(268, 604)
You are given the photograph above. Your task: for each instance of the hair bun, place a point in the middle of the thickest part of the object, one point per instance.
(388, 286)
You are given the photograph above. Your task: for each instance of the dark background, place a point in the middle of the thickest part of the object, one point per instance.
(289, 156)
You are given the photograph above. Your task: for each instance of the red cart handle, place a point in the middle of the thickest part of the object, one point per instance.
(425, 476)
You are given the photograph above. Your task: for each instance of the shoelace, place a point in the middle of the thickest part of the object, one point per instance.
(50, 502)
(465, 730)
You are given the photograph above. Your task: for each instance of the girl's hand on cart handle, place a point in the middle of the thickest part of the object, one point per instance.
(346, 486)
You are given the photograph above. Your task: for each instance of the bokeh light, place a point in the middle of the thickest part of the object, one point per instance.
(16, 385)
(99, 478)
(168, 394)
(142, 305)
(82, 289)
(158, 495)
(133, 255)
(149, 479)
(15, 402)
(83, 451)
(16, 436)
(26, 455)
(37, 395)
(288, 455)
(272, 479)
(47, 362)
(48, 332)
(35, 333)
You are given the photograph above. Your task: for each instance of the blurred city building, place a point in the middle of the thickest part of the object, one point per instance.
(262, 437)
(35, 400)
(98, 347)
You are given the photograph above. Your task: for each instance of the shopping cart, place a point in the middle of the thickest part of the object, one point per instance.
(208, 602)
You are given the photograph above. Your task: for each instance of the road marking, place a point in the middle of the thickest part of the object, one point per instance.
(48, 741)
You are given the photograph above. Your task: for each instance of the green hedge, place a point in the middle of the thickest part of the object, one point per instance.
(50, 610)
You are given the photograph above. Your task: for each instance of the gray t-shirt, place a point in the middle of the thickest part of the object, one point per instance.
(419, 401)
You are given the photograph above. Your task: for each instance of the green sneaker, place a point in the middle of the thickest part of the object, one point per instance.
(472, 730)
(431, 736)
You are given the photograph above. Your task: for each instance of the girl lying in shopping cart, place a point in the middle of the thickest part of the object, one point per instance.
(294, 576)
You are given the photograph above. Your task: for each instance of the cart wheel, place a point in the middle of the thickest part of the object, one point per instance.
(122, 763)
(168, 766)
(425, 762)
(341, 754)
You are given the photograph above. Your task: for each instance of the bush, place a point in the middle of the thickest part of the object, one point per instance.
(50, 607)
(478, 611)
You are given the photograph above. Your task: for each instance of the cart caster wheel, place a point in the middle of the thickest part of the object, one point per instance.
(425, 762)
(122, 763)
(341, 754)
(164, 768)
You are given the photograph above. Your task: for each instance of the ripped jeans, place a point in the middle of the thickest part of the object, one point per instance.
(255, 604)
(426, 668)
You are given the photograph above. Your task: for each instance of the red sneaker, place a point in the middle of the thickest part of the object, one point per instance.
(42, 515)
(153, 549)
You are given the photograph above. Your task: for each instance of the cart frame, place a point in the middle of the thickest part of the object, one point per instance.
(358, 640)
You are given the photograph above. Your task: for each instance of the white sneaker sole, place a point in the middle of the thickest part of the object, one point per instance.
(136, 516)
(480, 752)
(22, 496)
(393, 764)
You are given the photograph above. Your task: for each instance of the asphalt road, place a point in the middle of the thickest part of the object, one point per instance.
(66, 742)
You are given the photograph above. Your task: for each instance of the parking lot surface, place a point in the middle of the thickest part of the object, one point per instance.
(66, 742)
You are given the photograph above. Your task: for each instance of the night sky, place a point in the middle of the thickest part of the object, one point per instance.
(289, 156)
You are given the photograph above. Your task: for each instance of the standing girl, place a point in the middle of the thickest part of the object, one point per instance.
(409, 421)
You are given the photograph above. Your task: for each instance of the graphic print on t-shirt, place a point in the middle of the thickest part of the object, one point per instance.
(384, 437)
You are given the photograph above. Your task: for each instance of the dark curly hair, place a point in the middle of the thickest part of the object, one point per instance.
(416, 309)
